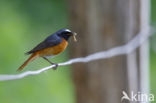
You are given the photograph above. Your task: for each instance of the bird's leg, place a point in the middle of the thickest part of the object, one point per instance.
(56, 65)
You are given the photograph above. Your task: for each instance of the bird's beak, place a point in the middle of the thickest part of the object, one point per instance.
(74, 36)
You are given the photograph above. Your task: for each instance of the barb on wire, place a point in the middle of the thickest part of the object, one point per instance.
(120, 50)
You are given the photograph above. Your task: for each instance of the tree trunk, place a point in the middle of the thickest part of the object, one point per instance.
(104, 24)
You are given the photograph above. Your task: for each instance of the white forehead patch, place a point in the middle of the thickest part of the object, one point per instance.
(67, 30)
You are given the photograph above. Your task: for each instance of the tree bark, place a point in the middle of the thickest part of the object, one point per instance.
(104, 24)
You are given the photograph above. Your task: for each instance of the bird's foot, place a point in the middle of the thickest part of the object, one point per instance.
(56, 65)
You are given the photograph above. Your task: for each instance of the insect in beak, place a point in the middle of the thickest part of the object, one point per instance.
(74, 37)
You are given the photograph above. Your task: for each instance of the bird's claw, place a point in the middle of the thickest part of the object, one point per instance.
(56, 65)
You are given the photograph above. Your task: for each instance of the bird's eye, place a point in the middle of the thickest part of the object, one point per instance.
(68, 33)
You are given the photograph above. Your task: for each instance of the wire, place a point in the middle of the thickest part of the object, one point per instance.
(119, 50)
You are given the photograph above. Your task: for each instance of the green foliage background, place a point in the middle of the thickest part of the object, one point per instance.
(23, 24)
(153, 51)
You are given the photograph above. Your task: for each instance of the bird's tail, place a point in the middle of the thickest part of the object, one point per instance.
(32, 57)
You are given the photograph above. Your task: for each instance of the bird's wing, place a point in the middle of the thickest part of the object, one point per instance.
(49, 42)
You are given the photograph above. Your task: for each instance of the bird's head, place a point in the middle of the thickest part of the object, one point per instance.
(66, 34)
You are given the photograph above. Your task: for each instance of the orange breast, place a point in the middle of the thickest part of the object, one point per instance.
(54, 50)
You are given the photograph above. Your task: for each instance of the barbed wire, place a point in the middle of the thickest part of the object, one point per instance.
(119, 50)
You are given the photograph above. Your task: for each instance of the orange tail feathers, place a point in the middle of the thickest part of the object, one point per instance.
(32, 57)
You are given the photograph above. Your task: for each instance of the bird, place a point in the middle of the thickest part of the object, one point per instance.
(53, 45)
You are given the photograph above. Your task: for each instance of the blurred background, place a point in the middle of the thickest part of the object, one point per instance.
(23, 24)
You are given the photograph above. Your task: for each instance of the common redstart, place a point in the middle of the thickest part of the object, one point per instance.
(51, 46)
